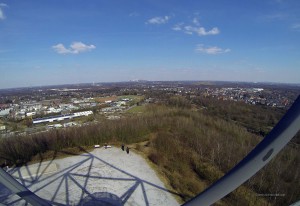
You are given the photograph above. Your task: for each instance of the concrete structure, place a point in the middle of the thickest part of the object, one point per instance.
(5, 112)
(34, 106)
(70, 124)
(53, 110)
(85, 113)
(105, 175)
(2, 127)
(29, 114)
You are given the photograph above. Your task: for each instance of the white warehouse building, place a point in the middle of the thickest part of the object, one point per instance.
(61, 117)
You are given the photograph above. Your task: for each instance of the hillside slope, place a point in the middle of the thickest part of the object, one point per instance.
(190, 148)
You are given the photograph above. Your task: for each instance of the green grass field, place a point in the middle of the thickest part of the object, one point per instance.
(134, 98)
(137, 109)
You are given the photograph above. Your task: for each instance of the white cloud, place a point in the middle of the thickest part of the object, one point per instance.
(75, 48)
(78, 47)
(296, 26)
(196, 21)
(201, 31)
(189, 29)
(2, 16)
(61, 49)
(158, 20)
(210, 50)
(195, 29)
(275, 16)
(134, 14)
(177, 27)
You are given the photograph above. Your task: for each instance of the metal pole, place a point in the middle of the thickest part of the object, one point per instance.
(9, 182)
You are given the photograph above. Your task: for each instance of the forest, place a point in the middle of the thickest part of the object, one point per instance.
(190, 142)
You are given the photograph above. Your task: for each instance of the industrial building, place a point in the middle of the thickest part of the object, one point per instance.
(61, 117)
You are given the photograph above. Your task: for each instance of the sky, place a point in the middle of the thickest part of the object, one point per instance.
(54, 42)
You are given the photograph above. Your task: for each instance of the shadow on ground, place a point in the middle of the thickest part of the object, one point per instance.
(89, 181)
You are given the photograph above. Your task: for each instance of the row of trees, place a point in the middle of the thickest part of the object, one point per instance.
(20, 149)
(257, 119)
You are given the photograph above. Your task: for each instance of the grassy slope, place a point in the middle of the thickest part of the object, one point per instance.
(137, 109)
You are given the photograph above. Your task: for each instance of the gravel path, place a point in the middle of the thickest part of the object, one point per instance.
(101, 177)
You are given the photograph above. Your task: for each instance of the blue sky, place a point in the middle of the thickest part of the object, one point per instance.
(74, 41)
